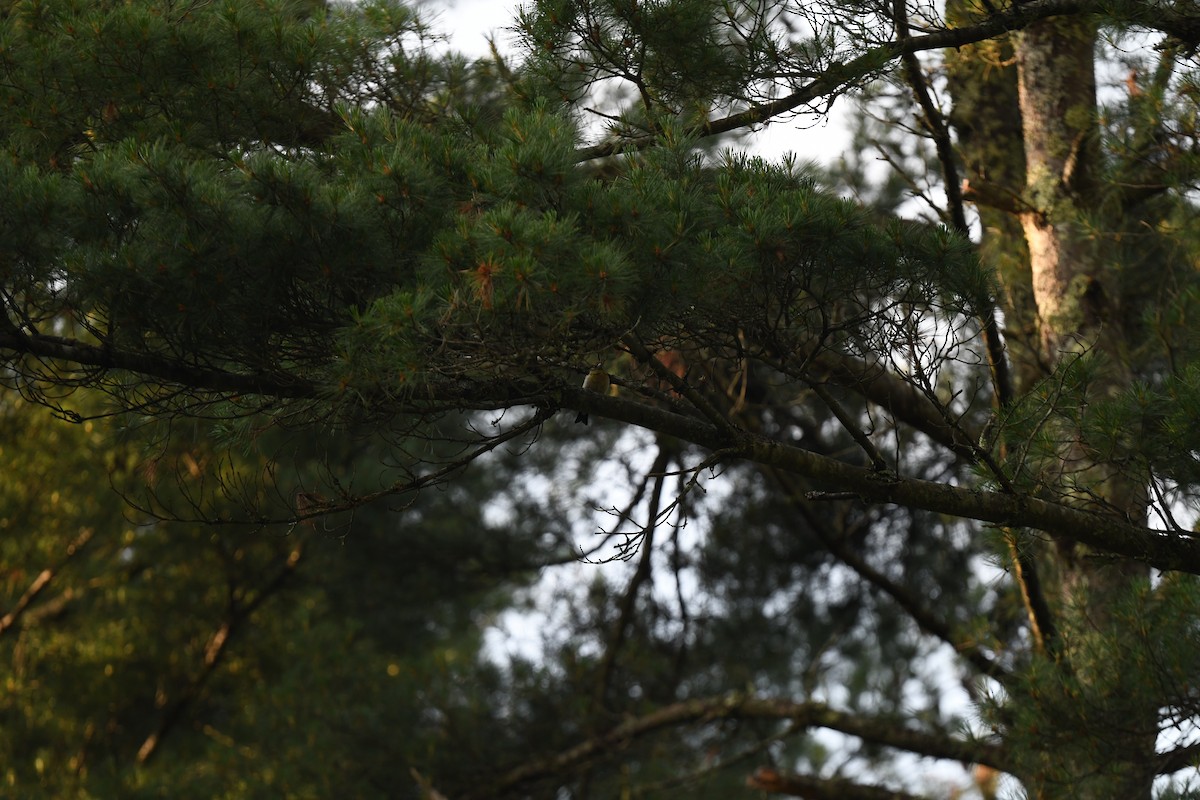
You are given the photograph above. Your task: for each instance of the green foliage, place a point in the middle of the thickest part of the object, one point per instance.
(1145, 432)
(682, 56)
(377, 272)
(345, 657)
(1117, 680)
(669, 243)
(251, 204)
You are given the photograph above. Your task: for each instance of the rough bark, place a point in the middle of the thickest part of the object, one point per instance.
(982, 80)
(1057, 92)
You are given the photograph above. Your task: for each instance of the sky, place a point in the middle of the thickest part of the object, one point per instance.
(468, 24)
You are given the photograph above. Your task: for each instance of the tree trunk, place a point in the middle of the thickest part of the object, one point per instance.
(1035, 173)
(982, 80)
(1057, 91)
(1074, 312)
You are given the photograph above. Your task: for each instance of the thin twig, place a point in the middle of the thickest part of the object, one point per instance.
(625, 608)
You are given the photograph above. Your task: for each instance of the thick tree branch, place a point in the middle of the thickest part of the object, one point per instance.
(939, 132)
(170, 370)
(899, 398)
(914, 606)
(856, 433)
(1025, 568)
(840, 77)
(814, 788)
(889, 732)
(1177, 759)
(1106, 533)
(934, 123)
(1037, 608)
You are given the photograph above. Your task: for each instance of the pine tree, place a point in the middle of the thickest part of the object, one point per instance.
(284, 216)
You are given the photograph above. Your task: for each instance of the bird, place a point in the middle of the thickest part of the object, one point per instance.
(596, 381)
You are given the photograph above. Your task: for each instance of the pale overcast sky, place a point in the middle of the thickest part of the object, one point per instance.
(469, 22)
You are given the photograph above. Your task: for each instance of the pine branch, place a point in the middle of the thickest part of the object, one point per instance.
(841, 77)
(680, 385)
(236, 616)
(1177, 759)
(896, 396)
(856, 433)
(912, 605)
(1106, 533)
(43, 580)
(939, 132)
(813, 788)
(1037, 608)
(432, 478)
(889, 732)
(175, 371)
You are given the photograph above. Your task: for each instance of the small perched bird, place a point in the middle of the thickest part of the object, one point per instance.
(596, 381)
